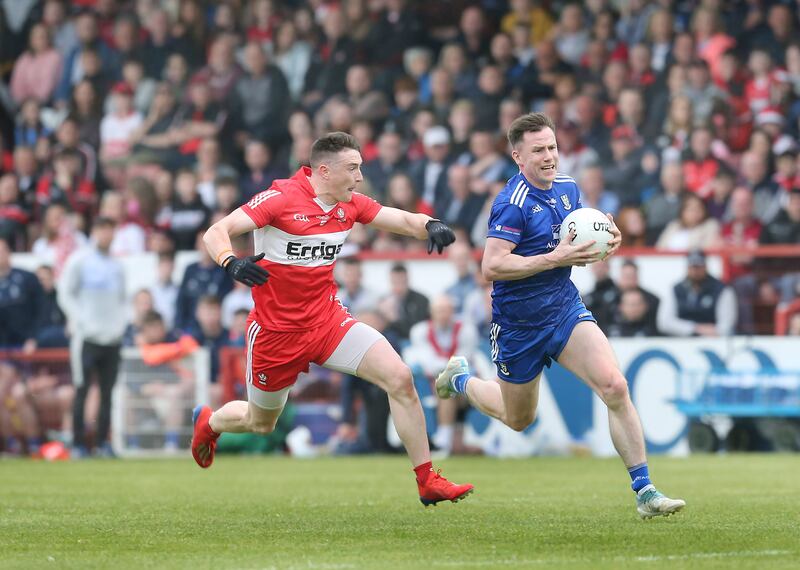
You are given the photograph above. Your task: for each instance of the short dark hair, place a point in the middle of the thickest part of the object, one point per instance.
(152, 317)
(399, 268)
(332, 143)
(530, 123)
(209, 300)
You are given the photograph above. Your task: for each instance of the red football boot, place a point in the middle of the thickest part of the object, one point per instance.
(436, 488)
(204, 440)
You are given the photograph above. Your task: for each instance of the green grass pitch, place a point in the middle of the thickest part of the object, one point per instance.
(341, 513)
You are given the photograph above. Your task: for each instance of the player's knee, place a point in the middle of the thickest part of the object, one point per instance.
(614, 389)
(400, 383)
(520, 423)
(262, 427)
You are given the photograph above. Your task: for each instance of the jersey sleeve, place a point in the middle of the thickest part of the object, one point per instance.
(506, 222)
(366, 208)
(265, 206)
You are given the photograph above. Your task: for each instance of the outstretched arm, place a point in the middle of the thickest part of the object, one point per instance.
(419, 226)
(401, 222)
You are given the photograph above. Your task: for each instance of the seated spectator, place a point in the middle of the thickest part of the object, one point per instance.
(188, 213)
(403, 307)
(433, 342)
(37, 70)
(58, 239)
(603, 299)
(142, 88)
(593, 192)
(461, 121)
(65, 185)
(29, 127)
(227, 196)
(754, 168)
(741, 233)
(700, 166)
(468, 195)
(693, 229)
(430, 173)
(631, 319)
(292, 55)
(622, 173)
(700, 305)
(27, 172)
(199, 119)
(21, 302)
(222, 72)
(390, 161)
(262, 169)
(785, 226)
(209, 169)
(460, 255)
(665, 205)
(53, 324)
(116, 130)
(209, 332)
(630, 220)
(141, 306)
(85, 106)
(629, 281)
(573, 155)
(164, 291)
(200, 279)
(13, 217)
(129, 237)
(240, 298)
(155, 140)
(718, 201)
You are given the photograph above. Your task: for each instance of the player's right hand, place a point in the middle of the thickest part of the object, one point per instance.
(566, 254)
(246, 270)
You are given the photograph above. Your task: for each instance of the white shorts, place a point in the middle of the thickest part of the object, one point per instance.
(345, 358)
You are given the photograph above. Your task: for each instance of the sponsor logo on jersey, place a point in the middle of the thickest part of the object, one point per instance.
(507, 229)
(296, 251)
(536, 209)
(551, 202)
(323, 219)
(585, 314)
(301, 218)
(347, 320)
(503, 368)
(556, 230)
(566, 202)
(262, 197)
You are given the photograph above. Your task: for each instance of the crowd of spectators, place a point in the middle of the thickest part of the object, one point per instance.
(679, 117)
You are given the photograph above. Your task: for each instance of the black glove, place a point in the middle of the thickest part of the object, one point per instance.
(439, 235)
(246, 270)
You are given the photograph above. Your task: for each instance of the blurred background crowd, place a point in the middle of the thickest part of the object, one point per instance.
(680, 117)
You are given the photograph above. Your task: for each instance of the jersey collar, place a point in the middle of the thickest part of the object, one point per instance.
(533, 185)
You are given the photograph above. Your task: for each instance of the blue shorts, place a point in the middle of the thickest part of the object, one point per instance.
(521, 354)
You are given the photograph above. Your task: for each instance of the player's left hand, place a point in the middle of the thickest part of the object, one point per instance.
(439, 235)
(616, 240)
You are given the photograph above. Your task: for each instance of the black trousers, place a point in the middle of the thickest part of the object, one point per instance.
(100, 362)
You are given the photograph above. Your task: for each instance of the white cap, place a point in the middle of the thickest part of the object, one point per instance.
(436, 136)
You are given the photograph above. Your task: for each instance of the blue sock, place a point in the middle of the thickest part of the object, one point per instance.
(640, 477)
(459, 382)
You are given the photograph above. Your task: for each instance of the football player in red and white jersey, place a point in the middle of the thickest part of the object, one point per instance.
(299, 226)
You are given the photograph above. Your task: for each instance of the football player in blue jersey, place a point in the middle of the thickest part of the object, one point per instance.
(537, 313)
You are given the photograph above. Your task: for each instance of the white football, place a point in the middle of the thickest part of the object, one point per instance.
(588, 224)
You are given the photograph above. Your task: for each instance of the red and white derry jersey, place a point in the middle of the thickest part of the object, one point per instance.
(300, 238)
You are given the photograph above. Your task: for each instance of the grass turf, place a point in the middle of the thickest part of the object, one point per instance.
(339, 513)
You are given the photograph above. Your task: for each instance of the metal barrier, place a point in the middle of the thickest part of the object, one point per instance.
(152, 405)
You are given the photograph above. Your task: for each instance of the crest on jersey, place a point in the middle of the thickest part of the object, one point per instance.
(340, 215)
(262, 378)
(566, 202)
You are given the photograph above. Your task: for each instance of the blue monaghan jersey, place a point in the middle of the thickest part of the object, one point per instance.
(531, 218)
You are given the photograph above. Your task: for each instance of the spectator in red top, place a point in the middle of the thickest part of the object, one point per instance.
(65, 185)
(700, 166)
(639, 61)
(741, 232)
(759, 90)
(710, 40)
(786, 170)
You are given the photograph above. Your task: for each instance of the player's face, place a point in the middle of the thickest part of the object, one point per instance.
(344, 175)
(537, 156)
